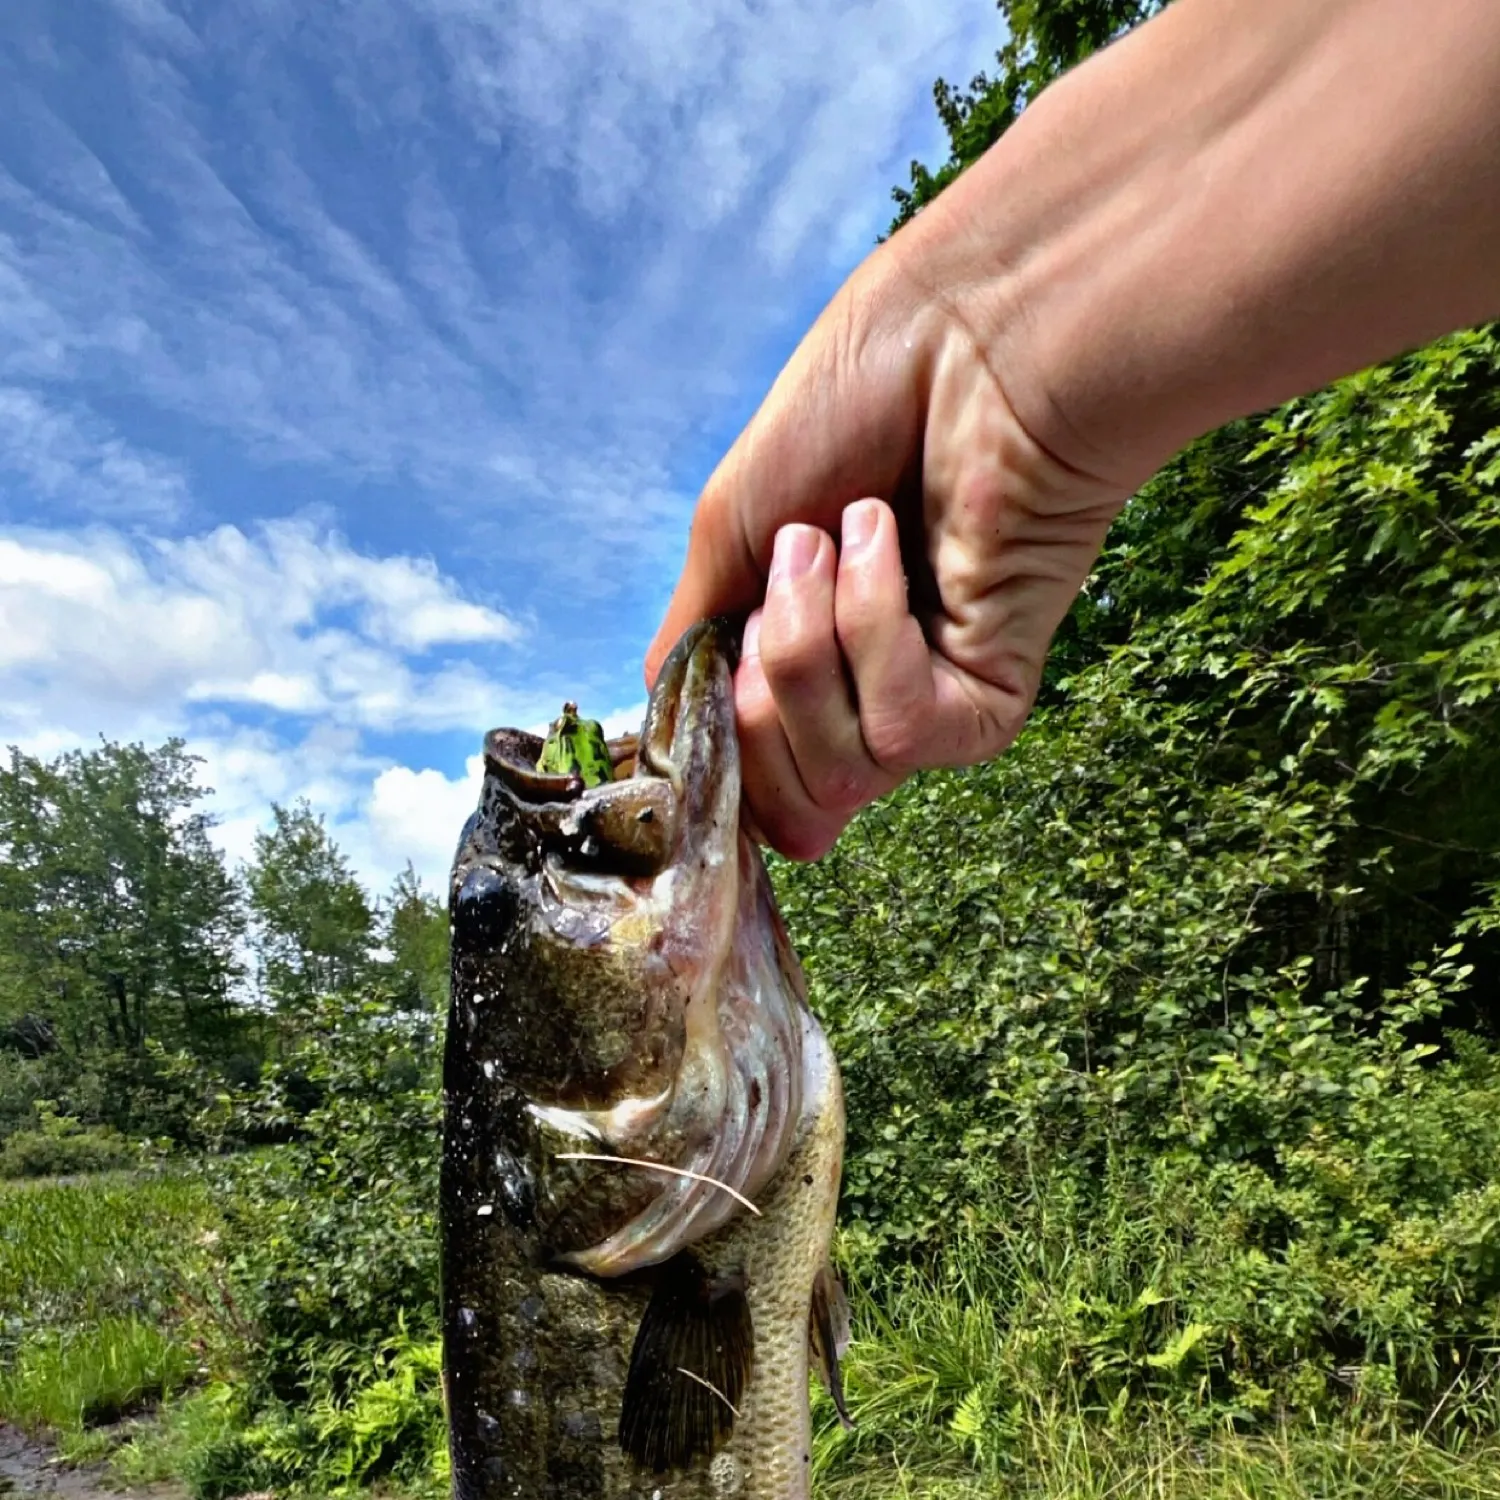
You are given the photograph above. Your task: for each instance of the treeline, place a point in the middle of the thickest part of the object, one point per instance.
(128, 942)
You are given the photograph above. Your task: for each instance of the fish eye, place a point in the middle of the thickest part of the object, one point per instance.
(484, 907)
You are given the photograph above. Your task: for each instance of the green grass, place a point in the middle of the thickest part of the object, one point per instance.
(1019, 1369)
(65, 1381)
(1027, 1366)
(185, 1442)
(74, 1252)
(102, 1284)
(1070, 1459)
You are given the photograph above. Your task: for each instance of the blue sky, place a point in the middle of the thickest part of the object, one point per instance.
(360, 360)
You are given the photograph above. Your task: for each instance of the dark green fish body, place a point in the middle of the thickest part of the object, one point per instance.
(623, 989)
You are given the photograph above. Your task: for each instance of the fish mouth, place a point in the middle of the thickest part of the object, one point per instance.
(690, 715)
(671, 779)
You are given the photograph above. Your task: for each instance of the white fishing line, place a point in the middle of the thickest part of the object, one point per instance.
(659, 1166)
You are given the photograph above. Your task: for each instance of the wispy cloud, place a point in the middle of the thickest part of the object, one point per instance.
(74, 461)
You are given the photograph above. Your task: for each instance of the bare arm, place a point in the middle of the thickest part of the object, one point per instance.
(1238, 202)
(1235, 204)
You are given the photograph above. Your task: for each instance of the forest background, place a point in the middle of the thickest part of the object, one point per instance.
(1171, 1038)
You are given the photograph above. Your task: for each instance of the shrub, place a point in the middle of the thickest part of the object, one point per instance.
(332, 1238)
(60, 1147)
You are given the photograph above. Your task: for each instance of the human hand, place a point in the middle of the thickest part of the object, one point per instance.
(918, 640)
(1232, 205)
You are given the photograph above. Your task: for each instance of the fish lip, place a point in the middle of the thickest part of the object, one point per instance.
(686, 686)
(512, 754)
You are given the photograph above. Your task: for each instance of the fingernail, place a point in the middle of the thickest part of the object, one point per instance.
(796, 547)
(860, 521)
(750, 641)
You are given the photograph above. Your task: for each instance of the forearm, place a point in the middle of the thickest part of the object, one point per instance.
(1237, 203)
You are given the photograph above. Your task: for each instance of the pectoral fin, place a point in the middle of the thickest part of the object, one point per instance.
(689, 1367)
(828, 1335)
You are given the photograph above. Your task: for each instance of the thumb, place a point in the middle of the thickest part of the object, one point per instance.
(722, 573)
(833, 430)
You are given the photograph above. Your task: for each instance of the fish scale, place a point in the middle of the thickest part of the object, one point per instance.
(769, 1455)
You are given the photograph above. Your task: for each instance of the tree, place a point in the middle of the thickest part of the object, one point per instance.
(314, 928)
(415, 936)
(118, 919)
(1047, 37)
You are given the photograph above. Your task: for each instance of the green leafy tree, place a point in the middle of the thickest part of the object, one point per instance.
(314, 927)
(118, 919)
(1045, 38)
(414, 929)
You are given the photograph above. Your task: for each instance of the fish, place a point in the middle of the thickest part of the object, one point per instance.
(643, 1128)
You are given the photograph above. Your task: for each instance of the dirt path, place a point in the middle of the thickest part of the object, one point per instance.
(27, 1468)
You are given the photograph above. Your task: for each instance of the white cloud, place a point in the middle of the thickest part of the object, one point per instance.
(624, 720)
(417, 815)
(484, 280)
(507, 260)
(95, 629)
(141, 640)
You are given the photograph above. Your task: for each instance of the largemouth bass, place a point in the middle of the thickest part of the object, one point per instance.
(644, 1129)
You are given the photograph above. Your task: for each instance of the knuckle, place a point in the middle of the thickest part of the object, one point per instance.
(805, 840)
(796, 656)
(896, 740)
(789, 822)
(862, 616)
(840, 788)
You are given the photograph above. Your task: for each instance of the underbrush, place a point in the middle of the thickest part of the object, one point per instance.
(1029, 1362)
(59, 1146)
(387, 1427)
(1070, 1458)
(1111, 1336)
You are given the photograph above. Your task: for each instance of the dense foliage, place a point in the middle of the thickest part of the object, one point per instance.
(124, 935)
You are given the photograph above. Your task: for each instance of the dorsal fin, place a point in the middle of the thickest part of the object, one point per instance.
(828, 1335)
(689, 1367)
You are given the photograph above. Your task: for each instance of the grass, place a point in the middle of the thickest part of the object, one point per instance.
(1016, 1370)
(74, 1252)
(99, 1281)
(179, 1445)
(66, 1381)
(1074, 1460)
(990, 1376)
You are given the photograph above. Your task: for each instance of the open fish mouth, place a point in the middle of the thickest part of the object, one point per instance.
(626, 980)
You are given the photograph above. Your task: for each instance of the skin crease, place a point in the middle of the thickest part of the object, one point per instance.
(1235, 204)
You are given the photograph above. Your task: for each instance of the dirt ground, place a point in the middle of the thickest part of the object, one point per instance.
(27, 1468)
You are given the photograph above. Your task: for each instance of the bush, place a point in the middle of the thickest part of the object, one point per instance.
(331, 1243)
(61, 1147)
(1086, 985)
